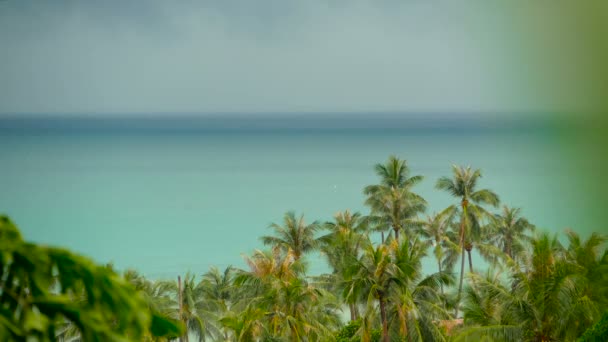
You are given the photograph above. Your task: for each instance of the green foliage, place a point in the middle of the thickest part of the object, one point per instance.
(551, 298)
(393, 204)
(537, 289)
(294, 235)
(280, 301)
(598, 332)
(348, 333)
(43, 287)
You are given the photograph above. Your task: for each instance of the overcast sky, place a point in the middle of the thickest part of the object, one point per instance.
(255, 56)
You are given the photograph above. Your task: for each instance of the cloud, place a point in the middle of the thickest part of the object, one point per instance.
(238, 55)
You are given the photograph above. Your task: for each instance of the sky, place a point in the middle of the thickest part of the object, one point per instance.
(117, 56)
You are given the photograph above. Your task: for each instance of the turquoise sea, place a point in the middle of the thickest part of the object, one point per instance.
(167, 196)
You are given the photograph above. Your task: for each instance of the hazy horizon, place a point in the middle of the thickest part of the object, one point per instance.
(278, 56)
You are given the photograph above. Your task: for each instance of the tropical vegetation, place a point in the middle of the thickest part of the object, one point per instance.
(527, 284)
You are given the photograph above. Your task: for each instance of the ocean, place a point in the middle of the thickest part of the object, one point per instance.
(173, 194)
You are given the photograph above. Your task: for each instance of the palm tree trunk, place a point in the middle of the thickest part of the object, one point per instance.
(179, 302)
(462, 232)
(382, 235)
(441, 283)
(384, 319)
(470, 261)
(351, 307)
(460, 282)
(396, 229)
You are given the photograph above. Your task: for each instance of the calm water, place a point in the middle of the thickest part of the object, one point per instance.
(167, 202)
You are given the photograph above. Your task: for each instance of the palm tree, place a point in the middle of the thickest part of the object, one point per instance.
(509, 231)
(341, 246)
(158, 294)
(463, 185)
(553, 298)
(415, 300)
(294, 235)
(345, 232)
(293, 308)
(299, 311)
(218, 291)
(194, 311)
(373, 274)
(436, 229)
(389, 273)
(246, 325)
(485, 313)
(592, 265)
(392, 202)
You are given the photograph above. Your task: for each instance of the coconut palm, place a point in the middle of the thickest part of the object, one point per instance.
(267, 266)
(294, 235)
(486, 317)
(552, 298)
(592, 265)
(415, 301)
(341, 246)
(195, 311)
(388, 273)
(298, 311)
(158, 294)
(345, 232)
(293, 308)
(373, 274)
(218, 292)
(463, 186)
(246, 325)
(392, 202)
(509, 231)
(436, 229)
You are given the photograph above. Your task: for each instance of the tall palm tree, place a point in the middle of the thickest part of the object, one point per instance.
(345, 232)
(294, 235)
(463, 186)
(485, 313)
(298, 311)
(158, 294)
(415, 300)
(342, 246)
(389, 273)
(195, 311)
(436, 229)
(373, 274)
(293, 308)
(509, 231)
(218, 291)
(392, 202)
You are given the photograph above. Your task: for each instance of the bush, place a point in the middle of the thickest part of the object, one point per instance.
(598, 332)
(349, 331)
(45, 287)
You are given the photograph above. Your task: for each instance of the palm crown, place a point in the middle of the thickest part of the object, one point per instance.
(463, 185)
(294, 235)
(392, 202)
